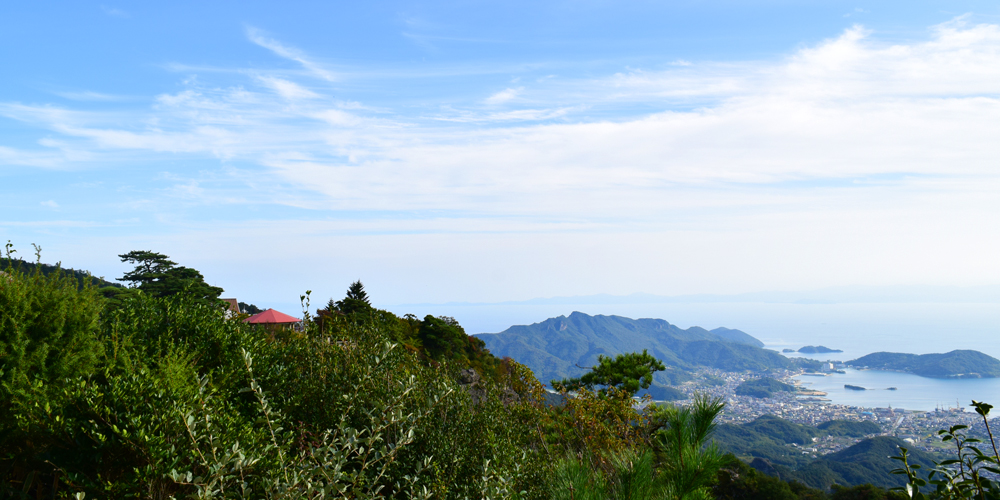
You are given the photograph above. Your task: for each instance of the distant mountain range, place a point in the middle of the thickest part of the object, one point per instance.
(565, 346)
(954, 364)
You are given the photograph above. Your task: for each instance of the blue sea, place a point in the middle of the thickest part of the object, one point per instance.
(912, 392)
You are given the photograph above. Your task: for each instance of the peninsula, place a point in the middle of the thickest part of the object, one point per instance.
(954, 364)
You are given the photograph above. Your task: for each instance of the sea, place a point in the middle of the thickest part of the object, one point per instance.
(912, 392)
(855, 328)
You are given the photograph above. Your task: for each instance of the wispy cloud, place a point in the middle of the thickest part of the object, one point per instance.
(287, 89)
(504, 96)
(260, 38)
(847, 108)
(87, 95)
(115, 12)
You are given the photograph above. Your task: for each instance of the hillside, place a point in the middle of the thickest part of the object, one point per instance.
(47, 269)
(954, 364)
(867, 462)
(766, 443)
(560, 347)
(764, 387)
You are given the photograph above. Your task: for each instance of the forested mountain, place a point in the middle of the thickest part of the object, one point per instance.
(766, 444)
(867, 462)
(560, 347)
(954, 364)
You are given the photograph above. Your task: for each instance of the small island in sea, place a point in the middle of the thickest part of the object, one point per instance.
(788, 350)
(817, 349)
(854, 387)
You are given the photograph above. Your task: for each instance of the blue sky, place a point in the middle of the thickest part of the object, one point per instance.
(494, 151)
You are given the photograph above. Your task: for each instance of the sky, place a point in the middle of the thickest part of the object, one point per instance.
(503, 151)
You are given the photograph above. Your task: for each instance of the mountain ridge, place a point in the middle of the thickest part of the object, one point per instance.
(565, 346)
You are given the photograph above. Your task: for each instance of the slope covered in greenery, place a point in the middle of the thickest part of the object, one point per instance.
(559, 347)
(867, 462)
(763, 387)
(954, 364)
(766, 441)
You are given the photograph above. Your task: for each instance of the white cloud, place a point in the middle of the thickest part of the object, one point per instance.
(90, 96)
(287, 89)
(111, 11)
(504, 96)
(257, 36)
(50, 204)
(767, 138)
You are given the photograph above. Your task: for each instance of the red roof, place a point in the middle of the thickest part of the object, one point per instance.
(271, 316)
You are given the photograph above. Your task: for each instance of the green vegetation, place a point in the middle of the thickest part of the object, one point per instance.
(970, 474)
(764, 387)
(161, 396)
(954, 364)
(82, 277)
(625, 372)
(776, 447)
(156, 275)
(849, 428)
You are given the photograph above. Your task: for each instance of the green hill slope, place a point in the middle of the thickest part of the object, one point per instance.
(560, 347)
(763, 387)
(954, 364)
(867, 462)
(766, 444)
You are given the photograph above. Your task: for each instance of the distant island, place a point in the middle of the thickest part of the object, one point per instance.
(817, 349)
(954, 364)
(854, 387)
(788, 350)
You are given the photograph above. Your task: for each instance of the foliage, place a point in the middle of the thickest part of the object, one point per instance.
(355, 302)
(849, 428)
(167, 398)
(737, 480)
(970, 474)
(682, 444)
(249, 308)
(157, 275)
(625, 372)
(663, 454)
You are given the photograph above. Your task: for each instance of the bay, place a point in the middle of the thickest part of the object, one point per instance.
(912, 392)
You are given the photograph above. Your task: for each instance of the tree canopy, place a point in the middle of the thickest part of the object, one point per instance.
(356, 300)
(157, 275)
(629, 372)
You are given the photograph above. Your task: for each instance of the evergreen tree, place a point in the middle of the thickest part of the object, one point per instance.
(159, 276)
(356, 300)
(629, 372)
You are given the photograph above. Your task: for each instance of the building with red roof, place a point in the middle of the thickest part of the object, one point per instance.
(271, 317)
